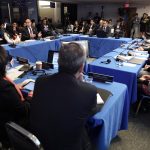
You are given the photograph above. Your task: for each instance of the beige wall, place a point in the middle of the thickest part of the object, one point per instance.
(46, 11)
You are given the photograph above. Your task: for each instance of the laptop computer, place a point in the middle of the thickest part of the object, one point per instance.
(53, 58)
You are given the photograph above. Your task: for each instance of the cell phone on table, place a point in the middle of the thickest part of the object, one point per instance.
(29, 86)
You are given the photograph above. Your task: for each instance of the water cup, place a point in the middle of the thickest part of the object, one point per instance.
(38, 65)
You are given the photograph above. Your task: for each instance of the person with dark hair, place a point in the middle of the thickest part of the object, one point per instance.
(135, 28)
(143, 23)
(30, 32)
(83, 27)
(104, 30)
(12, 104)
(92, 28)
(11, 35)
(2, 30)
(76, 27)
(46, 29)
(62, 103)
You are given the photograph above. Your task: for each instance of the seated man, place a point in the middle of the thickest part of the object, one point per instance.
(104, 30)
(62, 103)
(30, 32)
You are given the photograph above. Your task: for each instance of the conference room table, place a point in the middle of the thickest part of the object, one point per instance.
(101, 46)
(34, 50)
(125, 73)
(110, 119)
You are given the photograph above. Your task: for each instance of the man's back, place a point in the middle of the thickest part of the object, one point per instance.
(59, 110)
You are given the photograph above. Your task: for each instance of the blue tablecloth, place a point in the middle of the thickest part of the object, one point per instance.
(112, 117)
(100, 46)
(37, 50)
(122, 74)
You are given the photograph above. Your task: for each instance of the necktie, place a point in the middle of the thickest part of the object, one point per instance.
(30, 29)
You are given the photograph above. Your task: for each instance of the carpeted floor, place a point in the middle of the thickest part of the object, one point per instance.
(137, 137)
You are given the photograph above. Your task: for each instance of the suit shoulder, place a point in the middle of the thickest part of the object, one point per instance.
(88, 87)
(45, 78)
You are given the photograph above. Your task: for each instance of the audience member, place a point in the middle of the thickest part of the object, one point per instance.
(143, 22)
(69, 28)
(83, 27)
(76, 27)
(62, 103)
(45, 28)
(30, 32)
(11, 36)
(92, 28)
(12, 104)
(104, 30)
(135, 29)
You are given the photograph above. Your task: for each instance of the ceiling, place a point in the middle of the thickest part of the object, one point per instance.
(106, 1)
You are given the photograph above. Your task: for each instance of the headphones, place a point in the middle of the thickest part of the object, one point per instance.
(39, 72)
(108, 61)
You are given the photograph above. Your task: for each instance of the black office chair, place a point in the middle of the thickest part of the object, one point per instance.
(21, 139)
(143, 97)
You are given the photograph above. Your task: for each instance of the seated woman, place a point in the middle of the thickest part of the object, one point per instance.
(12, 36)
(12, 103)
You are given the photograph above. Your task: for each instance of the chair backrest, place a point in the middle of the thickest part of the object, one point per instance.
(22, 139)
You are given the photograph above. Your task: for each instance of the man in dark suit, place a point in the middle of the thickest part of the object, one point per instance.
(46, 29)
(83, 27)
(62, 103)
(104, 30)
(92, 28)
(30, 32)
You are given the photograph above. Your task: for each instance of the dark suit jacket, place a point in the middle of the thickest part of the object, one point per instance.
(94, 28)
(11, 107)
(85, 28)
(106, 31)
(60, 108)
(26, 34)
(46, 33)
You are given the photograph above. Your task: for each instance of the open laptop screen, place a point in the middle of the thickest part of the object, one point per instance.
(53, 58)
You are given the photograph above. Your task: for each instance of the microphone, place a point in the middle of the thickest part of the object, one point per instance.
(133, 42)
(13, 45)
(108, 61)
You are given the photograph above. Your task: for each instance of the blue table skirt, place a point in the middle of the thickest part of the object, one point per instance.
(100, 46)
(113, 116)
(37, 50)
(124, 74)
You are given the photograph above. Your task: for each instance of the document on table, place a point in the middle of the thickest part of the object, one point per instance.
(103, 95)
(129, 64)
(14, 73)
(99, 99)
